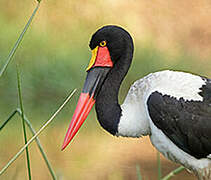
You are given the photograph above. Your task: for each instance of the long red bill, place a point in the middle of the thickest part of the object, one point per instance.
(96, 73)
(82, 110)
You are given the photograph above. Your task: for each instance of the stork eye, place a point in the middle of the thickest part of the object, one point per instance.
(103, 43)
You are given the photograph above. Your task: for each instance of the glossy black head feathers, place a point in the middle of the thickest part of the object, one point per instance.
(117, 39)
(120, 46)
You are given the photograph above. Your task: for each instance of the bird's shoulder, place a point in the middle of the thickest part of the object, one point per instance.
(205, 90)
(179, 104)
(174, 83)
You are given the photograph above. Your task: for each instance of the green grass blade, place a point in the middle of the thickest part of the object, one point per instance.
(36, 139)
(23, 123)
(8, 119)
(159, 166)
(12, 52)
(33, 138)
(173, 173)
(39, 145)
(138, 172)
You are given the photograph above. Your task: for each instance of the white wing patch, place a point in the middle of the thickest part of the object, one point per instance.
(134, 121)
(175, 84)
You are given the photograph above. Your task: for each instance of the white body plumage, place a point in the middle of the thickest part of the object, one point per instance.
(135, 120)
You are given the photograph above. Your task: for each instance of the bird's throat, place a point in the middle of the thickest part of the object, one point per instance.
(107, 105)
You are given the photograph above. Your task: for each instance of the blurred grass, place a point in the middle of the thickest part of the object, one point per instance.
(159, 166)
(17, 43)
(38, 132)
(18, 111)
(93, 155)
(138, 172)
(53, 58)
(23, 122)
(54, 54)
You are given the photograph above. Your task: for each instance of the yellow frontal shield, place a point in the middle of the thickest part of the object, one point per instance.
(92, 61)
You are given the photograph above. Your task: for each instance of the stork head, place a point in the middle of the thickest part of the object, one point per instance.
(108, 45)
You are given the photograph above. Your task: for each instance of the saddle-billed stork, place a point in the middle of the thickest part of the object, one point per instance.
(173, 108)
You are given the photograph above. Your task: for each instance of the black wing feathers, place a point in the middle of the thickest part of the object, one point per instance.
(186, 123)
(206, 90)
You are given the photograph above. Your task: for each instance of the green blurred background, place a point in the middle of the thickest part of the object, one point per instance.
(52, 59)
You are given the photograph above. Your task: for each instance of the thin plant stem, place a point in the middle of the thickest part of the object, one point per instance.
(36, 139)
(138, 172)
(8, 119)
(159, 166)
(173, 173)
(38, 132)
(12, 52)
(23, 123)
(39, 145)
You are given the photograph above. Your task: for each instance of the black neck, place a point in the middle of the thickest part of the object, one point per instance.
(107, 105)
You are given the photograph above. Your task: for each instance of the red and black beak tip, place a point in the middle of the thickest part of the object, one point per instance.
(94, 80)
(82, 110)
